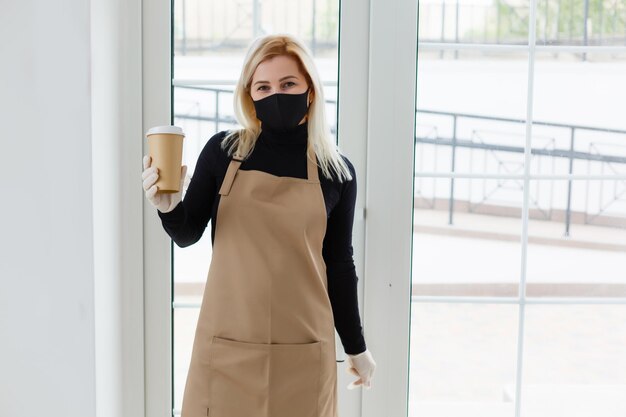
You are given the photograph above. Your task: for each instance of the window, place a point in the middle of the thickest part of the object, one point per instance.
(518, 280)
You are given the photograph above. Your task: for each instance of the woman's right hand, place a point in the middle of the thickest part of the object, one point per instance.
(162, 202)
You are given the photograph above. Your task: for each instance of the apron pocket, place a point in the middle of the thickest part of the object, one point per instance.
(295, 371)
(263, 380)
(238, 375)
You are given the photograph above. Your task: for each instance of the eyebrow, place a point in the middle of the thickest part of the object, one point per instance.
(284, 78)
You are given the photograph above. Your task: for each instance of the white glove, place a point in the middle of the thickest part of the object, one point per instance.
(363, 366)
(162, 202)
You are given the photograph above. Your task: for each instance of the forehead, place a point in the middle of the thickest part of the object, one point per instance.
(276, 67)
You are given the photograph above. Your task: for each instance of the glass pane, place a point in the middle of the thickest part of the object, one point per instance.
(578, 116)
(471, 111)
(473, 22)
(462, 359)
(577, 22)
(210, 40)
(466, 238)
(577, 238)
(185, 320)
(574, 363)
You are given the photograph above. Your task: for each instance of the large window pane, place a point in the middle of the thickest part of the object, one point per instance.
(578, 119)
(462, 359)
(473, 22)
(471, 111)
(580, 22)
(467, 237)
(577, 250)
(574, 362)
(480, 236)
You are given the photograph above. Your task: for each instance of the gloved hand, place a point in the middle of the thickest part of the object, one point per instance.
(162, 202)
(363, 366)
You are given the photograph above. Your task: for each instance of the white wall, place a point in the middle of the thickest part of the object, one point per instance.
(71, 264)
(46, 268)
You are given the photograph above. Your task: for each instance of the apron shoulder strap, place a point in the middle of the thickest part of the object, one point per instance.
(229, 177)
(311, 163)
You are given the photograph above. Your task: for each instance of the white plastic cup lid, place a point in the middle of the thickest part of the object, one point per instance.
(165, 129)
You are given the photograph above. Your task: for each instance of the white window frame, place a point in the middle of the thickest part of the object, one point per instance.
(156, 81)
(389, 202)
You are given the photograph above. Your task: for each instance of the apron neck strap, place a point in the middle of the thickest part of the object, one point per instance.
(229, 177)
(311, 164)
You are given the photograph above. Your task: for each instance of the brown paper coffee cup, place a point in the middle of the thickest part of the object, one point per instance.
(165, 145)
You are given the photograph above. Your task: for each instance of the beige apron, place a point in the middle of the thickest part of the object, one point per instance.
(265, 341)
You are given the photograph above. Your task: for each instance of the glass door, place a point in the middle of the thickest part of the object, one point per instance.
(519, 210)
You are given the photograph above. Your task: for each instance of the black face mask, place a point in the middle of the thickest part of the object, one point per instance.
(282, 111)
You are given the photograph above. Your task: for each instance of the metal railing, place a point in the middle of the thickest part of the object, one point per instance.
(570, 154)
(495, 148)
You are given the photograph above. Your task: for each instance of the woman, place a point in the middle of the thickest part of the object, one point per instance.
(282, 276)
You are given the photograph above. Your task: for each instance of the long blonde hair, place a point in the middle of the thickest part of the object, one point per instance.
(241, 141)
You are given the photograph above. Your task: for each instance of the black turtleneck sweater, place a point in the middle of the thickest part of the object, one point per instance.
(282, 154)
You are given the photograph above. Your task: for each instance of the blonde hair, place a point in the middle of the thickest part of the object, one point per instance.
(241, 141)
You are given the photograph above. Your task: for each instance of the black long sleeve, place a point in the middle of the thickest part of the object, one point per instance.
(187, 222)
(341, 271)
(283, 155)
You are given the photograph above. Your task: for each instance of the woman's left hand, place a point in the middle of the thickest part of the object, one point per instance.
(361, 365)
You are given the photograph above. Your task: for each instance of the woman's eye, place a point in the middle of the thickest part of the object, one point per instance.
(285, 85)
